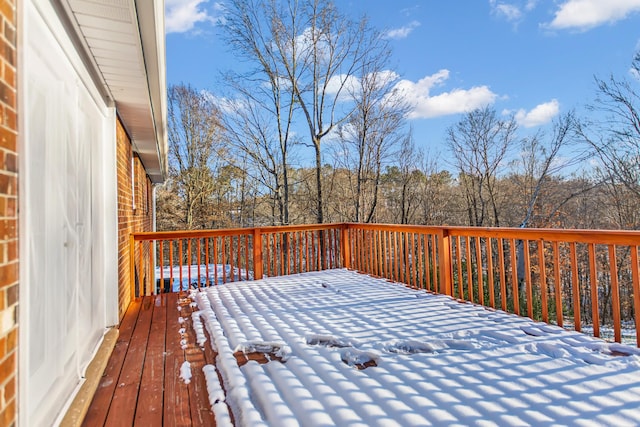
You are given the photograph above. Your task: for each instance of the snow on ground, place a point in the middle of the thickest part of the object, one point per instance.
(217, 274)
(438, 361)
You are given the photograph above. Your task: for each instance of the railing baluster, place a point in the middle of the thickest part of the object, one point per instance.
(189, 262)
(246, 258)
(407, 275)
(615, 294)
(479, 270)
(371, 252)
(140, 270)
(514, 277)
(151, 267)
(161, 265)
(239, 263)
(281, 251)
(467, 245)
(593, 281)
(330, 248)
(527, 278)
(215, 260)
(171, 244)
(459, 263)
(414, 252)
(199, 263)
(491, 284)
(429, 261)
(433, 262)
(306, 249)
(557, 289)
(375, 262)
(575, 287)
(181, 255)
(301, 244)
(387, 256)
(396, 258)
(635, 277)
(207, 261)
(365, 250)
(503, 275)
(267, 252)
(543, 282)
(294, 252)
(223, 249)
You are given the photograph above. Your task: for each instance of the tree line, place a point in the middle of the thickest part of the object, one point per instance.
(314, 128)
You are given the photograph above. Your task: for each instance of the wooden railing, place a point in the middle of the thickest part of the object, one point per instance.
(207, 257)
(588, 280)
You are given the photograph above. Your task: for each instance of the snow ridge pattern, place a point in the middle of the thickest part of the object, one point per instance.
(429, 360)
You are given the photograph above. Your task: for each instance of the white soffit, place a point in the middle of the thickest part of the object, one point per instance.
(125, 39)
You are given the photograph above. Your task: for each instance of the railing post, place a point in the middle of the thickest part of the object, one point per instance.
(132, 267)
(257, 254)
(345, 246)
(444, 263)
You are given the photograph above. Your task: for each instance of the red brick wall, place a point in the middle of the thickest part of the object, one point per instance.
(130, 220)
(8, 216)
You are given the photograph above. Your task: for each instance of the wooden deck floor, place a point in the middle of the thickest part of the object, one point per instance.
(141, 384)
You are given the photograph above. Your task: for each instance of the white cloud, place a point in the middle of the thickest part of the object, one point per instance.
(586, 14)
(425, 105)
(531, 4)
(402, 32)
(345, 84)
(226, 105)
(509, 11)
(182, 15)
(513, 11)
(539, 115)
(349, 86)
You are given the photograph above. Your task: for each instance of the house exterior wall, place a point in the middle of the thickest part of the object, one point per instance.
(8, 216)
(135, 213)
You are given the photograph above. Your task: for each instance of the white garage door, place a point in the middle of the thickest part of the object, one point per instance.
(66, 130)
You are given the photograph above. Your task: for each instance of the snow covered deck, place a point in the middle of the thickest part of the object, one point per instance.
(342, 348)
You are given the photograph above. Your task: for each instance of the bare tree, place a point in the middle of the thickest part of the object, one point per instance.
(404, 182)
(194, 150)
(541, 160)
(260, 117)
(616, 139)
(479, 144)
(322, 62)
(366, 142)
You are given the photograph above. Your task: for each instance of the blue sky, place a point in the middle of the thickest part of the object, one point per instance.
(532, 58)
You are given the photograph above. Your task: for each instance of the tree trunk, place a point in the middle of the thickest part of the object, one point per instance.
(319, 205)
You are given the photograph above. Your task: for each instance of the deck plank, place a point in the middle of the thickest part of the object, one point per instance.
(176, 392)
(150, 398)
(141, 384)
(210, 359)
(201, 414)
(122, 409)
(97, 413)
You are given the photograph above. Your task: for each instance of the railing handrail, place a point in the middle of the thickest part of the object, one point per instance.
(621, 237)
(548, 234)
(167, 235)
